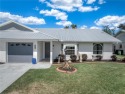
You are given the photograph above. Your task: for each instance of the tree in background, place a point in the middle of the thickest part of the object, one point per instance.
(66, 27)
(122, 26)
(73, 26)
(108, 30)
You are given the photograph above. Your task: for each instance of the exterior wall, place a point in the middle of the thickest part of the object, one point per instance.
(107, 51)
(40, 50)
(56, 49)
(86, 48)
(20, 58)
(122, 38)
(3, 55)
(35, 52)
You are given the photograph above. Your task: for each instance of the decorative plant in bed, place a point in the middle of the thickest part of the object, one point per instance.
(66, 68)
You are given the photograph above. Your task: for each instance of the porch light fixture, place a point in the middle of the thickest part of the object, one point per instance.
(34, 46)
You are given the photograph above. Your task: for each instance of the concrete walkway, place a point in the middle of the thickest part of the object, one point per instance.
(10, 72)
(41, 65)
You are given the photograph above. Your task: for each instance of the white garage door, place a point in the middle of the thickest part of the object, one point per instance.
(20, 52)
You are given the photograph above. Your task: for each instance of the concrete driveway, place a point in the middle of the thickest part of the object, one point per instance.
(9, 73)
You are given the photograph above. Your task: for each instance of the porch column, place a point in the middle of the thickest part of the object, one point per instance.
(3, 51)
(51, 52)
(35, 50)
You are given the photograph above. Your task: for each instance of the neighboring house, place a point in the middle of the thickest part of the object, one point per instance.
(120, 48)
(19, 43)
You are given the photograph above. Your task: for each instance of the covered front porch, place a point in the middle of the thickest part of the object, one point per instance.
(43, 51)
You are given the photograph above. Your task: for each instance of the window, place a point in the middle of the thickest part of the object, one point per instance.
(70, 50)
(120, 46)
(61, 46)
(97, 48)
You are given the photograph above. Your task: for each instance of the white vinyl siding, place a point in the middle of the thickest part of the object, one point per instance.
(86, 48)
(3, 55)
(122, 38)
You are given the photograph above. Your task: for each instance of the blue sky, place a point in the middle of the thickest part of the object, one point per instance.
(59, 13)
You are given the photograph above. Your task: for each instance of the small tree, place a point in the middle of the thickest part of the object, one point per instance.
(73, 58)
(122, 26)
(114, 57)
(108, 30)
(66, 27)
(73, 26)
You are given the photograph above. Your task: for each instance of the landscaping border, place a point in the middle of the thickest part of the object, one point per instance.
(66, 71)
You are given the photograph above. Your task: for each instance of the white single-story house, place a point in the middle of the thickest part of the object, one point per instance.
(19, 43)
(121, 46)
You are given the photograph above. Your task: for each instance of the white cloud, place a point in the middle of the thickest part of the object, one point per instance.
(90, 1)
(67, 5)
(95, 27)
(83, 27)
(56, 13)
(101, 2)
(88, 9)
(72, 5)
(64, 23)
(112, 21)
(5, 16)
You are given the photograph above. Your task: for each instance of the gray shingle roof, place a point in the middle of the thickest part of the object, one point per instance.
(80, 35)
(25, 35)
(14, 30)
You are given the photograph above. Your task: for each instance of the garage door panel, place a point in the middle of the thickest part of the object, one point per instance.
(20, 52)
(20, 58)
(20, 49)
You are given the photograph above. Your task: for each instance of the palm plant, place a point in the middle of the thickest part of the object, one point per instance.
(66, 27)
(73, 26)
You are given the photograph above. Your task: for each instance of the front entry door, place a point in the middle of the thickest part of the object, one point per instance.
(47, 49)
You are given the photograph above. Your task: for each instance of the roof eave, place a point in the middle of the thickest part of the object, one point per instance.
(29, 39)
(94, 41)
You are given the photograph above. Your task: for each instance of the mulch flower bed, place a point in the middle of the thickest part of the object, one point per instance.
(60, 69)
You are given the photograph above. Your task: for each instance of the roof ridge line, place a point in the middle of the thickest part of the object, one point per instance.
(10, 21)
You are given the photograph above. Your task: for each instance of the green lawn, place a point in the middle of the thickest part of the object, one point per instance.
(91, 78)
(119, 57)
